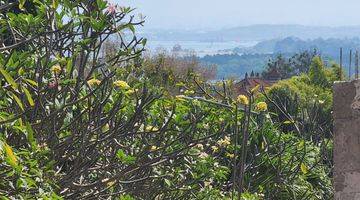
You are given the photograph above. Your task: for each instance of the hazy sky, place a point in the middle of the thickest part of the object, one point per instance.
(216, 14)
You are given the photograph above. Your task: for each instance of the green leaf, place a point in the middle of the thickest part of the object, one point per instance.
(132, 28)
(55, 4)
(21, 71)
(301, 144)
(10, 155)
(144, 41)
(18, 101)
(28, 96)
(101, 4)
(21, 4)
(30, 135)
(125, 158)
(33, 83)
(69, 66)
(167, 181)
(8, 78)
(255, 89)
(304, 168)
(288, 122)
(126, 197)
(98, 25)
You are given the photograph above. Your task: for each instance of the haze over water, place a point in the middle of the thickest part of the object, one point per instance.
(214, 14)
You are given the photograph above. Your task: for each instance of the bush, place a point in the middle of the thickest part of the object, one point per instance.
(80, 122)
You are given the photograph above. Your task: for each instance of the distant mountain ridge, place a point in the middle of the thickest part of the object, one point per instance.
(255, 33)
(255, 58)
(328, 47)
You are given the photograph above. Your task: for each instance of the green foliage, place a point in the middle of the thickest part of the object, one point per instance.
(125, 158)
(308, 104)
(317, 73)
(303, 105)
(24, 177)
(78, 124)
(236, 65)
(288, 66)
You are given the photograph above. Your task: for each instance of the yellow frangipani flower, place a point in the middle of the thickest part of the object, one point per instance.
(203, 155)
(242, 99)
(111, 183)
(230, 155)
(151, 128)
(261, 106)
(200, 146)
(94, 81)
(215, 148)
(56, 69)
(154, 148)
(122, 85)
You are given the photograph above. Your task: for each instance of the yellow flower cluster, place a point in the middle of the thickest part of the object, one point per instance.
(122, 85)
(56, 69)
(242, 99)
(93, 82)
(261, 106)
(224, 142)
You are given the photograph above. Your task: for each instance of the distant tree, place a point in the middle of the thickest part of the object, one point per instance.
(301, 61)
(335, 73)
(288, 67)
(317, 72)
(177, 48)
(167, 69)
(282, 65)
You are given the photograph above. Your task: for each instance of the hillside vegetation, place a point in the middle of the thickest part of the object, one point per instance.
(255, 58)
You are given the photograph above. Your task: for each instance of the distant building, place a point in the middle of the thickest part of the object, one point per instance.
(273, 75)
(254, 80)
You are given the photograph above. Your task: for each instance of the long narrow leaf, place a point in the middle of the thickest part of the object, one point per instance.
(10, 156)
(18, 101)
(8, 78)
(28, 96)
(30, 135)
(33, 83)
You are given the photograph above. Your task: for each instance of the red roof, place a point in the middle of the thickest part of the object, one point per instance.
(273, 74)
(248, 83)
